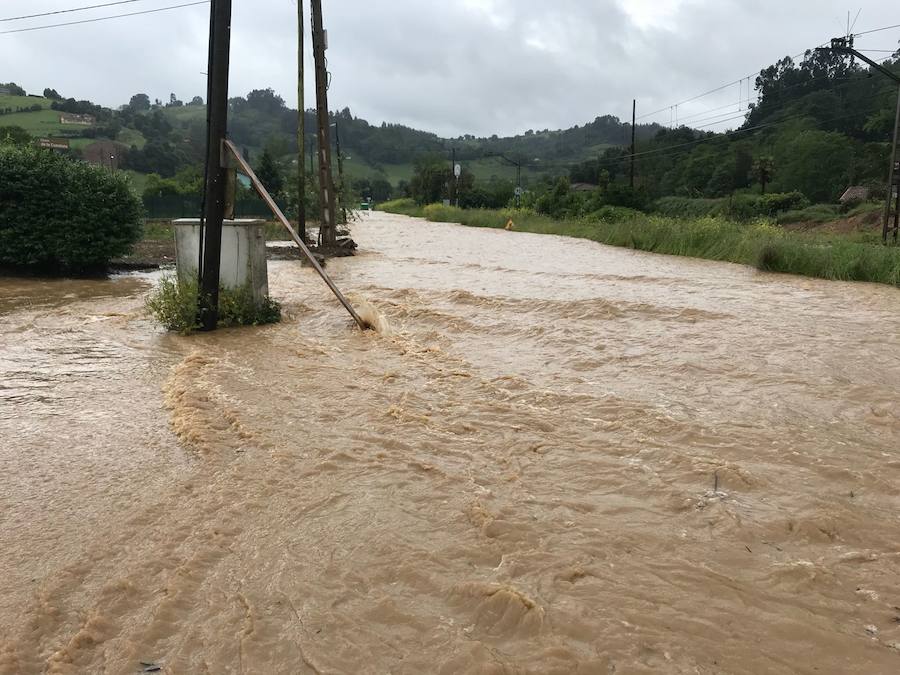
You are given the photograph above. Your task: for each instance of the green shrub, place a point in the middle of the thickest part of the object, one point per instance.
(61, 216)
(174, 306)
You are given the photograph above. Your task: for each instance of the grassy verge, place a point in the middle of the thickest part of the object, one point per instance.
(759, 244)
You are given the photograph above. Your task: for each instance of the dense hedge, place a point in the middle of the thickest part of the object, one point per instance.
(61, 216)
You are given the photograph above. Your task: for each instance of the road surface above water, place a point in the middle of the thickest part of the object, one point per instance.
(557, 457)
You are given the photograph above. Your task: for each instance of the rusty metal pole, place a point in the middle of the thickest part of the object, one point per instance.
(216, 174)
(327, 229)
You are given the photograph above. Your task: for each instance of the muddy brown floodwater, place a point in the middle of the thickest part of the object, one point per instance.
(557, 457)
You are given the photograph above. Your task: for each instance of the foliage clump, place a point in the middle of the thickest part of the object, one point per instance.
(174, 304)
(61, 216)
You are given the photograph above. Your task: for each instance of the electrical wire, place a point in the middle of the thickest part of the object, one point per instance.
(668, 150)
(67, 11)
(104, 18)
(876, 30)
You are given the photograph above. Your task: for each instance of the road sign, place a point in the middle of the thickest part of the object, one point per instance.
(457, 170)
(519, 192)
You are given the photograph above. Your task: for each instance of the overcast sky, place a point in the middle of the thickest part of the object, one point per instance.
(449, 66)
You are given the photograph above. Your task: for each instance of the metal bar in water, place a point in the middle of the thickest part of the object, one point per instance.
(267, 198)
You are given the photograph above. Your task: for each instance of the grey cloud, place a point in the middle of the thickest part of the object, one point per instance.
(469, 66)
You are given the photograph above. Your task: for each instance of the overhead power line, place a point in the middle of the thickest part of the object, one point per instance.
(67, 11)
(876, 30)
(754, 74)
(105, 18)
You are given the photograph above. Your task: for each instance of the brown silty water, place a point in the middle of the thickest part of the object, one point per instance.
(556, 457)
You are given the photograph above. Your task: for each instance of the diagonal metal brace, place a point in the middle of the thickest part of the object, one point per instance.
(231, 158)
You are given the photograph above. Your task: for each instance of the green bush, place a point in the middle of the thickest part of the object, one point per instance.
(61, 216)
(174, 306)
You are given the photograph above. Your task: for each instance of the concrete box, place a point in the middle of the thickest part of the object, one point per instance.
(243, 254)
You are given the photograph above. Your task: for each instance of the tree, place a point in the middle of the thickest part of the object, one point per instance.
(763, 168)
(817, 163)
(174, 102)
(14, 89)
(52, 94)
(431, 180)
(197, 100)
(14, 136)
(269, 174)
(139, 103)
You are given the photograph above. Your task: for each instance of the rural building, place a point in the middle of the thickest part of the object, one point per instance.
(856, 193)
(105, 153)
(81, 120)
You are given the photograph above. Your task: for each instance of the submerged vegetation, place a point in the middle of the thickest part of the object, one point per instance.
(174, 306)
(758, 243)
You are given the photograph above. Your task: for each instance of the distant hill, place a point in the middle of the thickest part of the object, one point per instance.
(165, 138)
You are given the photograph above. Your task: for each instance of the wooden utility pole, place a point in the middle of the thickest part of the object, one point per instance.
(340, 163)
(633, 121)
(216, 174)
(893, 195)
(301, 128)
(327, 229)
(453, 179)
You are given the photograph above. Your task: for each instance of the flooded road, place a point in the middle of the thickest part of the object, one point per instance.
(558, 457)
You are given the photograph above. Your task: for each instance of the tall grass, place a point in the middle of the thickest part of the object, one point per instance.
(757, 243)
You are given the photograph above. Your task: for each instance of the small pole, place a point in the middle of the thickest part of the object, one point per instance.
(327, 231)
(518, 184)
(301, 128)
(633, 121)
(340, 160)
(453, 178)
(217, 175)
(893, 183)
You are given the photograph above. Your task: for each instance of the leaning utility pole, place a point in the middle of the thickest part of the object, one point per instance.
(301, 128)
(327, 230)
(216, 175)
(633, 121)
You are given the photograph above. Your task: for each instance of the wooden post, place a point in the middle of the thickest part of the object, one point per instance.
(301, 127)
(327, 229)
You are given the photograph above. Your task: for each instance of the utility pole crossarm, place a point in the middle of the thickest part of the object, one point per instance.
(838, 47)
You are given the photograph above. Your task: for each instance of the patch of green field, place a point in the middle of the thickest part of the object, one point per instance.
(42, 123)
(23, 102)
(138, 181)
(185, 114)
(132, 137)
